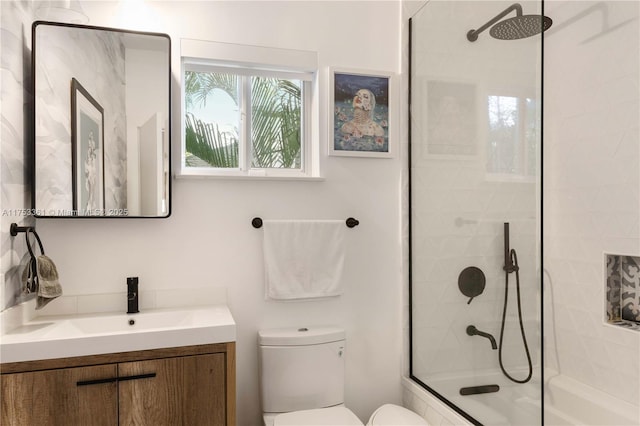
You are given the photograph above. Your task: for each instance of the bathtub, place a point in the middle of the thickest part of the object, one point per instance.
(513, 404)
(567, 402)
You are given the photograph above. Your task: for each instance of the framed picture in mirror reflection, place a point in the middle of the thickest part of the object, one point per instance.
(87, 141)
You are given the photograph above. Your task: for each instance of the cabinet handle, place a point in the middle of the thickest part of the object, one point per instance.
(136, 377)
(96, 381)
(115, 379)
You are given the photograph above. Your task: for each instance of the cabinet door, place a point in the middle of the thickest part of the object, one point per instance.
(80, 396)
(187, 391)
(204, 384)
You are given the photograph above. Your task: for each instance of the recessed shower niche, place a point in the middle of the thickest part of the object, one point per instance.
(623, 290)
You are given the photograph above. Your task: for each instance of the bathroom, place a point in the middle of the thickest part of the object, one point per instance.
(208, 248)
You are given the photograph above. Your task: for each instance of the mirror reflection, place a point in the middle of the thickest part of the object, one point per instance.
(102, 122)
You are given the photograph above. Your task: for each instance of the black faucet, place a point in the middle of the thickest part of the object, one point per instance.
(132, 295)
(472, 331)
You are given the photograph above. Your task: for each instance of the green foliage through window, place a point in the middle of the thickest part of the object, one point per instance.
(274, 106)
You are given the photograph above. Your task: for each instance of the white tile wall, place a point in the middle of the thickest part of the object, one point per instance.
(592, 190)
(458, 209)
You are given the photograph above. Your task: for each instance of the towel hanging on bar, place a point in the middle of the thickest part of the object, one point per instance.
(40, 275)
(303, 259)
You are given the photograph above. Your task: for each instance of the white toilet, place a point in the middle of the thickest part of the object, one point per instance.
(302, 381)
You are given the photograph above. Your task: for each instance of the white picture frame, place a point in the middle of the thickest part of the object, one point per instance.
(363, 113)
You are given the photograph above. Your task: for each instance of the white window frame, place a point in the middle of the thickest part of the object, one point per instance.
(206, 56)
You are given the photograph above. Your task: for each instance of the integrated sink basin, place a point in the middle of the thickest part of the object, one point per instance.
(123, 323)
(62, 336)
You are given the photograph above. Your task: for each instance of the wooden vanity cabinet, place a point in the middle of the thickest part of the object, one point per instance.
(192, 385)
(185, 390)
(52, 397)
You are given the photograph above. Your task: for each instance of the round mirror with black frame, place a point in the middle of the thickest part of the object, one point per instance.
(101, 122)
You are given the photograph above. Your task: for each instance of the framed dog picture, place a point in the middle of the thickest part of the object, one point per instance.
(363, 114)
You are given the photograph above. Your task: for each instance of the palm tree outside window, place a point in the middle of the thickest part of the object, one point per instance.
(241, 119)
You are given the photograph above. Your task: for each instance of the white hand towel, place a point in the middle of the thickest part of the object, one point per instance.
(303, 259)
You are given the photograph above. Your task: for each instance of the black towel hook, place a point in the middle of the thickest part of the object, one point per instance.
(14, 230)
(30, 230)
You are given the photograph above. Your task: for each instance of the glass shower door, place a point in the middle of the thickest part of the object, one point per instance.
(475, 108)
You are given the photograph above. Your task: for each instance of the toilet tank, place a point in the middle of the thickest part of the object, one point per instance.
(301, 368)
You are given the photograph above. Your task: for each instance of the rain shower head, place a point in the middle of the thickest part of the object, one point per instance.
(520, 26)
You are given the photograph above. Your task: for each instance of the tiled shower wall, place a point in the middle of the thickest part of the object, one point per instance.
(591, 192)
(15, 146)
(458, 205)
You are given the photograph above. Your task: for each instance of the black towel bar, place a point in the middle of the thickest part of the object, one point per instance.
(256, 222)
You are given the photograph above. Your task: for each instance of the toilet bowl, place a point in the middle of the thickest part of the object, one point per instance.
(318, 417)
(386, 415)
(394, 415)
(302, 381)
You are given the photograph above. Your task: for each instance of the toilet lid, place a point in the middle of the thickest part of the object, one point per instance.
(319, 417)
(390, 414)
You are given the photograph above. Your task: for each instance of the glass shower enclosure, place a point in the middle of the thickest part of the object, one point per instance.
(475, 209)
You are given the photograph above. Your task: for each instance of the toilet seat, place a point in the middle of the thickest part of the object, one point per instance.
(339, 416)
(394, 415)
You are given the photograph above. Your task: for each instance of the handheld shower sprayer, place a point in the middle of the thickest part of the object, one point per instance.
(511, 265)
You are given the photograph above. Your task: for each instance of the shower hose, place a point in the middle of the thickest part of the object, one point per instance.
(514, 268)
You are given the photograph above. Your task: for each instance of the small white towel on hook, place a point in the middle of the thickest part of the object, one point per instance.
(303, 259)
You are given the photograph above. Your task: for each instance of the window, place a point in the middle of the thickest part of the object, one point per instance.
(513, 135)
(248, 118)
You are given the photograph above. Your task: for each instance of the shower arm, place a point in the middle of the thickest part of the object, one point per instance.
(472, 35)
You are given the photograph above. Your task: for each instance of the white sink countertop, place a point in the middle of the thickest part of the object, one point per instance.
(61, 336)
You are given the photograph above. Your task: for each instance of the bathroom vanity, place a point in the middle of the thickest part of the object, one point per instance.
(178, 374)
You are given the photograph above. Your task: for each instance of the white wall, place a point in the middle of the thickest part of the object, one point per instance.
(208, 240)
(591, 191)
